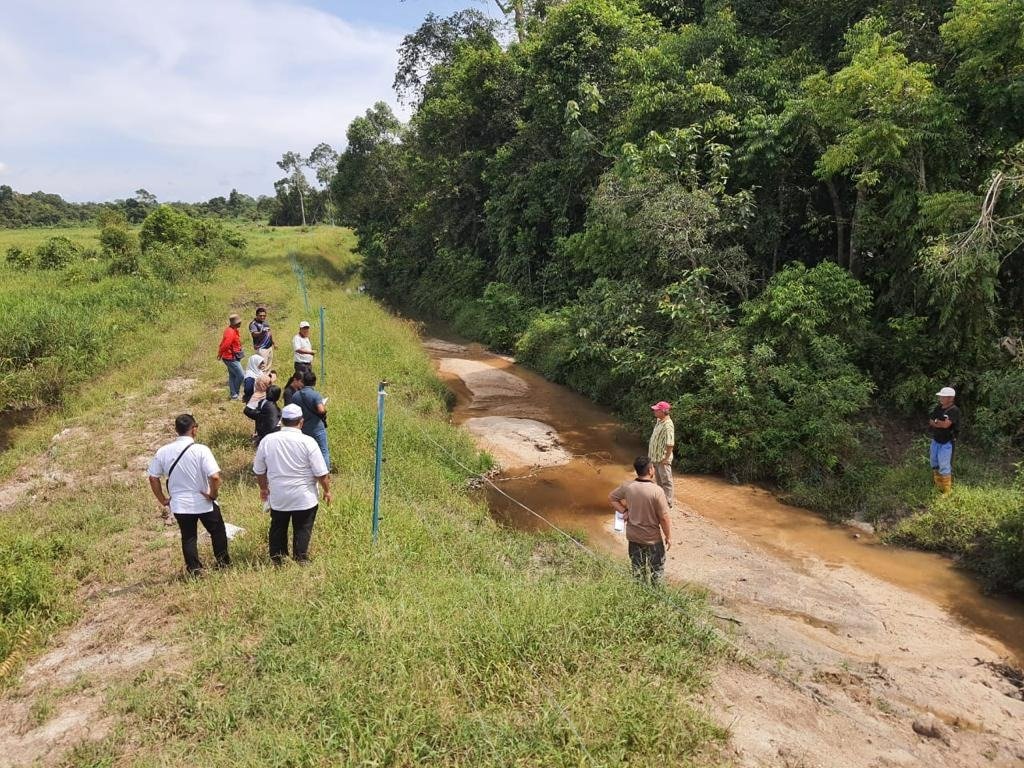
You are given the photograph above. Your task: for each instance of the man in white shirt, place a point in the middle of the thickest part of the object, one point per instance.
(193, 482)
(288, 466)
(303, 349)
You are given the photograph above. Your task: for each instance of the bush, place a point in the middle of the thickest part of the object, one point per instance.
(999, 556)
(234, 238)
(121, 249)
(27, 584)
(166, 226)
(547, 344)
(984, 526)
(497, 318)
(955, 522)
(999, 418)
(56, 253)
(16, 257)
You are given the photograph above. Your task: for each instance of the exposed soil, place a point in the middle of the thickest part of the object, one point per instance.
(837, 663)
(59, 701)
(518, 442)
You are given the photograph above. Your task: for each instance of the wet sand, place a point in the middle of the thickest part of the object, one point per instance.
(907, 631)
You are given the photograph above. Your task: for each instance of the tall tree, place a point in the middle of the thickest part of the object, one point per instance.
(292, 163)
(434, 44)
(871, 118)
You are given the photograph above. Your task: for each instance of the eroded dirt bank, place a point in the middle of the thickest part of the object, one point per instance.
(859, 655)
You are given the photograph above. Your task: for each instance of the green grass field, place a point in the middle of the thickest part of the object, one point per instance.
(451, 642)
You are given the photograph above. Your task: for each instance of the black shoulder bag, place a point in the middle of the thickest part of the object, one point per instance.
(173, 466)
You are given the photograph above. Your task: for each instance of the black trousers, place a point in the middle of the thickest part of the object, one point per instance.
(303, 367)
(302, 531)
(647, 560)
(213, 522)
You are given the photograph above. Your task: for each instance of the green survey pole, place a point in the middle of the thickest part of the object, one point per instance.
(322, 365)
(380, 452)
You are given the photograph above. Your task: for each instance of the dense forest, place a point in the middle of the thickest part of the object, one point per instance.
(794, 219)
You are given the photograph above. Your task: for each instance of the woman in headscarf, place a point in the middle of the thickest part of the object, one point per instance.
(252, 372)
(259, 392)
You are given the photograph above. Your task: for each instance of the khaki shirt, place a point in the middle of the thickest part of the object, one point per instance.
(646, 503)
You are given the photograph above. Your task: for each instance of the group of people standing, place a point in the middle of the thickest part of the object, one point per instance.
(645, 501)
(292, 454)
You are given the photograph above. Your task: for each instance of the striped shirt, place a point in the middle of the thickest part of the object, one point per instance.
(662, 437)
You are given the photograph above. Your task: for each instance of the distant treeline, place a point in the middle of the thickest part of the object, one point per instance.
(44, 209)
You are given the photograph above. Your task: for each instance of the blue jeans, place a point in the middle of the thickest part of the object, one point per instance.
(235, 377)
(941, 455)
(320, 435)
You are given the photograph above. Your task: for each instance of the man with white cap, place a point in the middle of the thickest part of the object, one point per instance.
(193, 482)
(944, 421)
(303, 349)
(288, 466)
(660, 448)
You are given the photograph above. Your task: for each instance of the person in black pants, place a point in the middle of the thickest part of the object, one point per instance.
(193, 482)
(288, 466)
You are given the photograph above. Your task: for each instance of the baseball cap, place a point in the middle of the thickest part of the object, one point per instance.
(304, 324)
(291, 411)
(946, 392)
(661, 406)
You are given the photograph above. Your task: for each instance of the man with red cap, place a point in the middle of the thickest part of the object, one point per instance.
(660, 447)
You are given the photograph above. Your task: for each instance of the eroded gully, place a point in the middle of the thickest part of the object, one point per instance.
(828, 595)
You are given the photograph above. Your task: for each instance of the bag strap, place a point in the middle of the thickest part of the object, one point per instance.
(174, 465)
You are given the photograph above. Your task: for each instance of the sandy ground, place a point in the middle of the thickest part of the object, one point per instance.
(518, 442)
(833, 667)
(60, 699)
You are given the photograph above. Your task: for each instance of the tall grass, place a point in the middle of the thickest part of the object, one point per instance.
(451, 642)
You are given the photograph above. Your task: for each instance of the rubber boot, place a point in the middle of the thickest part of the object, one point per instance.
(937, 479)
(947, 483)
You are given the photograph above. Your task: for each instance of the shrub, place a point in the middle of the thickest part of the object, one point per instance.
(56, 253)
(166, 262)
(17, 257)
(121, 249)
(234, 238)
(953, 523)
(497, 318)
(27, 584)
(984, 526)
(547, 344)
(999, 418)
(167, 226)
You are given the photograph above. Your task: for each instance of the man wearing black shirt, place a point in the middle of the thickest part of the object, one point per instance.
(944, 421)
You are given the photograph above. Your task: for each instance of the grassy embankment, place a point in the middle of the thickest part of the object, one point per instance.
(452, 642)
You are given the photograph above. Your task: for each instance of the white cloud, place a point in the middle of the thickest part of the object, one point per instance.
(239, 76)
(3, 168)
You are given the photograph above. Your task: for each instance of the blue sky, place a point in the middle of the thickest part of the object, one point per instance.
(187, 98)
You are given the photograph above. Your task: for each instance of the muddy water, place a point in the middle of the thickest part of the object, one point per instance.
(573, 495)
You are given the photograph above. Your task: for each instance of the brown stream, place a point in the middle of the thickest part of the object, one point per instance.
(573, 495)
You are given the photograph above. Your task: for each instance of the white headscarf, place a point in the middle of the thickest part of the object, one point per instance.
(255, 367)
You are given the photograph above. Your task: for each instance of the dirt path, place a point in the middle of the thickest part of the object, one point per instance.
(59, 701)
(841, 668)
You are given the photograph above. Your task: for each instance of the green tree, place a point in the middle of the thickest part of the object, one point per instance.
(292, 163)
(871, 118)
